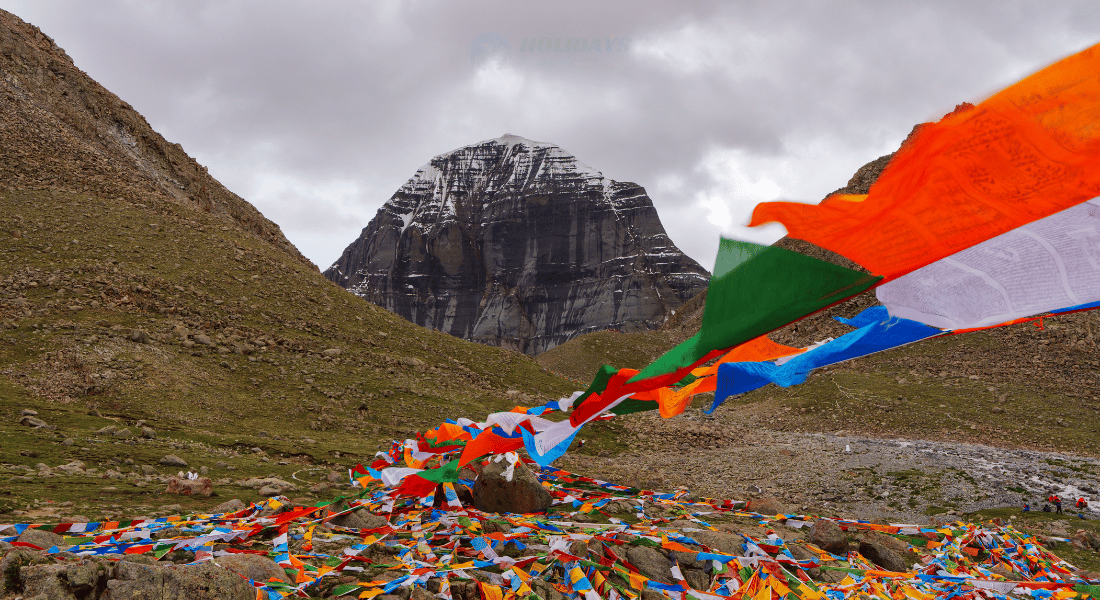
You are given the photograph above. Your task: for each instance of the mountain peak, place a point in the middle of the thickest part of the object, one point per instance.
(516, 243)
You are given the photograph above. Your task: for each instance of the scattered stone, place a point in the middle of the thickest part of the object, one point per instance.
(123, 434)
(28, 412)
(874, 550)
(68, 442)
(332, 352)
(149, 470)
(502, 488)
(108, 430)
(29, 421)
(172, 460)
(139, 336)
(148, 433)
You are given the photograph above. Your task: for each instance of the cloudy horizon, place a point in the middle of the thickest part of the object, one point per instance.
(317, 114)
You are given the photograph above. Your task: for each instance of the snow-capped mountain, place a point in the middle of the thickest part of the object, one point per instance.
(516, 243)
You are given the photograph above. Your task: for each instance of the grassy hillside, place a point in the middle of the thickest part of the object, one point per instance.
(242, 353)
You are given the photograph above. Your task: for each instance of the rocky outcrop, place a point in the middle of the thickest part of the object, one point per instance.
(515, 243)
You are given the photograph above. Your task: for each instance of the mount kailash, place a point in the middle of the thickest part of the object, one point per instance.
(516, 243)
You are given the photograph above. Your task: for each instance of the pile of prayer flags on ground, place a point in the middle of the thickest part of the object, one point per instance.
(584, 546)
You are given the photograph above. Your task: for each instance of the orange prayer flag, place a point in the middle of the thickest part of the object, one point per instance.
(1025, 153)
(488, 442)
(490, 592)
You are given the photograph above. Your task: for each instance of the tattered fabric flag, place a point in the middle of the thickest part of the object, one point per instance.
(756, 289)
(1025, 153)
(1039, 267)
(877, 331)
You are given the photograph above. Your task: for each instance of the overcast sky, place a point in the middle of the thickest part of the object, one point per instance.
(316, 112)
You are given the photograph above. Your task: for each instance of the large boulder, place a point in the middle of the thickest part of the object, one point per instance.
(254, 567)
(652, 563)
(64, 581)
(883, 555)
(42, 538)
(203, 581)
(503, 489)
(11, 567)
(828, 536)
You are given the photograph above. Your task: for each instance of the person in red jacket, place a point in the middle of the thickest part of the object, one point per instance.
(1057, 502)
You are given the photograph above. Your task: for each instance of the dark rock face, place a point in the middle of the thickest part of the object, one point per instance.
(515, 243)
(504, 489)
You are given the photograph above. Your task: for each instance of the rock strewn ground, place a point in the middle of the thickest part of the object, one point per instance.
(848, 475)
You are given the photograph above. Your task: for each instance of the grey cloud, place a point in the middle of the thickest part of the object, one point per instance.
(367, 92)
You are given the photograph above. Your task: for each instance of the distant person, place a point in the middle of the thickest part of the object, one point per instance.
(1026, 507)
(1081, 504)
(1056, 501)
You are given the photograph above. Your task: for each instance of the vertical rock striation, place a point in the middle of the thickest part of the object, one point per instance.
(515, 243)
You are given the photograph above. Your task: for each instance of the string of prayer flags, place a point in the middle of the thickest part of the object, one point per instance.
(877, 331)
(1027, 152)
(756, 289)
(1039, 267)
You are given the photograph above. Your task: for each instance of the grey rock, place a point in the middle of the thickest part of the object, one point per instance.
(172, 460)
(515, 243)
(28, 412)
(108, 430)
(123, 433)
(358, 519)
(64, 581)
(148, 433)
(139, 336)
(42, 538)
(697, 579)
(828, 536)
(883, 556)
(233, 505)
(493, 492)
(203, 581)
(651, 563)
(12, 564)
(719, 541)
(253, 566)
(767, 506)
(149, 470)
(268, 491)
(29, 421)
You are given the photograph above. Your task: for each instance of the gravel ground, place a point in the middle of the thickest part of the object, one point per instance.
(839, 474)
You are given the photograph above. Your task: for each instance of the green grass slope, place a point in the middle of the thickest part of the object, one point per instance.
(243, 352)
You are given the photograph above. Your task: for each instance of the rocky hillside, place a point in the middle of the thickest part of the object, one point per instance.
(515, 243)
(135, 288)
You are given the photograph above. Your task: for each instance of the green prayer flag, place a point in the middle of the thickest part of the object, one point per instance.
(756, 289)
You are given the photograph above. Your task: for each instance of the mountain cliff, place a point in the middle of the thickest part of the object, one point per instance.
(515, 243)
